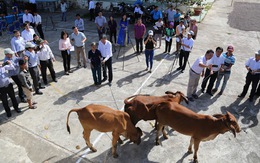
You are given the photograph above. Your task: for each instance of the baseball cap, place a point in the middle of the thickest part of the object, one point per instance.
(150, 32)
(258, 52)
(39, 41)
(231, 48)
(190, 33)
(29, 45)
(8, 51)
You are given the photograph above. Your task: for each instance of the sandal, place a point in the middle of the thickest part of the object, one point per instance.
(33, 107)
(34, 103)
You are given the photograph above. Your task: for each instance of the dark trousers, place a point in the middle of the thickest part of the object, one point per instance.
(184, 56)
(34, 72)
(101, 32)
(254, 79)
(66, 60)
(19, 85)
(44, 64)
(149, 58)
(176, 23)
(139, 43)
(9, 90)
(39, 29)
(108, 65)
(112, 33)
(92, 14)
(212, 78)
(96, 73)
(168, 45)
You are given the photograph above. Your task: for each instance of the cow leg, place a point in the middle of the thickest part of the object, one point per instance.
(159, 128)
(190, 146)
(164, 133)
(114, 144)
(196, 148)
(86, 135)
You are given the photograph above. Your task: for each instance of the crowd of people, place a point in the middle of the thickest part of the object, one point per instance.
(30, 53)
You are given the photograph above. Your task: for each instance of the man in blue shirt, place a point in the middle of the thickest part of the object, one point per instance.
(156, 14)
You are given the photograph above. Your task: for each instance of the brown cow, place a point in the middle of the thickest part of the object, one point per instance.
(199, 127)
(105, 119)
(141, 107)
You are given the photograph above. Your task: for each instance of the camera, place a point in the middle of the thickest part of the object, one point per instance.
(5, 63)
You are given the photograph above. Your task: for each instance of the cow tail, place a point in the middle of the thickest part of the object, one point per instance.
(72, 110)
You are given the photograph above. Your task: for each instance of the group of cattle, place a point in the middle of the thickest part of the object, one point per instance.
(166, 110)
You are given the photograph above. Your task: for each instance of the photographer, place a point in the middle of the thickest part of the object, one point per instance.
(149, 50)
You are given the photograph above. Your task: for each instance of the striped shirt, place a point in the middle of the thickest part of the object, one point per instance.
(228, 61)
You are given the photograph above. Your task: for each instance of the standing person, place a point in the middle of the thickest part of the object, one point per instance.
(38, 24)
(79, 23)
(170, 14)
(123, 37)
(229, 61)
(33, 63)
(6, 88)
(91, 8)
(79, 40)
(112, 28)
(98, 9)
(63, 8)
(180, 30)
(27, 33)
(214, 65)
(94, 56)
(168, 39)
(105, 47)
(33, 6)
(139, 30)
(158, 31)
(197, 70)
(253, 67)
(177, 18)
(186, 47)
(46, 59)
(9, 56)
(149, 50)
(26, 83)
(27, 17)
(18, 44)
(156, 14)
(194, 28)
(64, 47)
(138, 12)
(100, 23)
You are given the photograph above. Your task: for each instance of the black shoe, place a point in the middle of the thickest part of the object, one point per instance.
(241, 95)
(195, 96)
(214, 90)
(103, 80)
(38, 92)
(202, 90)
(45, 83)
(179, 68)
(165, 52)
(41, 87)
(70, 71)
(209, 93)
(9, 114)
(55, 80)
(109, 83)
(18, 110)
(220, 93)
(182, 71)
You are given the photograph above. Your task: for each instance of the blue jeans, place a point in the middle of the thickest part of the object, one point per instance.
(149, 58)
(226, 76)
(63, 17)
(96, 73)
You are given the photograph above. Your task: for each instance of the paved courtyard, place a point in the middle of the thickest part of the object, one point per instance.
(40, 135)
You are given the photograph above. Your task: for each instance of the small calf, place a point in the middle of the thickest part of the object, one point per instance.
(105, 119)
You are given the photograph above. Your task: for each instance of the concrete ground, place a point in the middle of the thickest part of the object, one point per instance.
(40, 135)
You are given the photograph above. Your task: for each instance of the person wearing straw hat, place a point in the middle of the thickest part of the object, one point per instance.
(253, 73)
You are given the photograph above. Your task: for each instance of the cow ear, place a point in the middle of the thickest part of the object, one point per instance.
(170, 92)
(229, 116)
(185, 98)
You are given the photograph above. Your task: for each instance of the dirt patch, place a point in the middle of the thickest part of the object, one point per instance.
(245, 16)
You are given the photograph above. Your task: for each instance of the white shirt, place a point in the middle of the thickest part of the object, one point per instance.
(64, 44)
(28, 35)
(63, 7)
(180, 29)
(138, 10)
(45, 53)
(37, 19)
(105, 49)
(216, 62)
(201, 60)
(253, 64)
(79, 23)
(91, 5)
(18, 44)
(28, 18)
(188, 42)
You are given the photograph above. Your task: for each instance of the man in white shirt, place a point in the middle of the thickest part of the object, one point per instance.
(63, 8)
(186, 47)
(27, 17)
(18, 44)
(91, 8)
(214, 65)
(38, 24)
(27, 33)
(105, 47)
(180, 30)
(197, 70)
(79, 23)
(253, 67)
